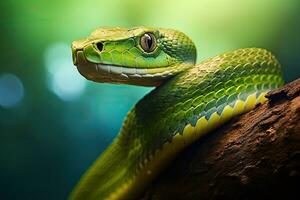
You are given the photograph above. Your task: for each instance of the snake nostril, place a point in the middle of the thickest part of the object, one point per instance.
(99, 46)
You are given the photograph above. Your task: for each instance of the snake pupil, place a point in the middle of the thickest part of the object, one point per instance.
(149, 42)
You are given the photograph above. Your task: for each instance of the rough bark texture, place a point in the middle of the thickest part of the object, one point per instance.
(254, 156)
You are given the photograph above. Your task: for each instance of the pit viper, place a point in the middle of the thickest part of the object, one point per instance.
(189, 100)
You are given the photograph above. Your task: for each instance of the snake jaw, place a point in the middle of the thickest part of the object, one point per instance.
(104, 73)
(108, 73)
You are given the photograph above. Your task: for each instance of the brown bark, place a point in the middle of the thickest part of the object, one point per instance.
(254, 156)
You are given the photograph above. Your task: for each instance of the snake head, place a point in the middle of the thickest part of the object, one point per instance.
(139, 56)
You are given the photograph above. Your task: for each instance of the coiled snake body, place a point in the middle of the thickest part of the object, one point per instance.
(189, 101)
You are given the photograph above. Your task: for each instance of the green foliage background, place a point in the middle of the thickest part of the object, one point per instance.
(48, 139)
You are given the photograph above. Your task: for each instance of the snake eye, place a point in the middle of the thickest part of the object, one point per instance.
(148, 42)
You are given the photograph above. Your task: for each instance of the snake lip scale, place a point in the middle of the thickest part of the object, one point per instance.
(189, 101)
(132, 71)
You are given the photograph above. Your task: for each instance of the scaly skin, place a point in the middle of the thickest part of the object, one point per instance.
(189, 101)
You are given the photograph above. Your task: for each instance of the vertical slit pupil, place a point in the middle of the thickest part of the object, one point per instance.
(100, 46)
(149, 41)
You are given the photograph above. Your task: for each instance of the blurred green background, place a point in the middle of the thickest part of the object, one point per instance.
(54, 123)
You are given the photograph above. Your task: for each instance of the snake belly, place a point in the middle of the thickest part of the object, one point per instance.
(176, 113)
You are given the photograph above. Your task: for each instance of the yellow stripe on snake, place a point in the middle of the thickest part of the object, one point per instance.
(189, 101)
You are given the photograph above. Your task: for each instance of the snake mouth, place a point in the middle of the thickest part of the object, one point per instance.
(109, 73)
(134, 72)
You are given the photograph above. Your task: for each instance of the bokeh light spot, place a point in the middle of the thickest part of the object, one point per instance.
(63, 79)
(11, 90)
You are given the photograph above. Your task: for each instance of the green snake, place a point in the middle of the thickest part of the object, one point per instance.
(189, 100)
